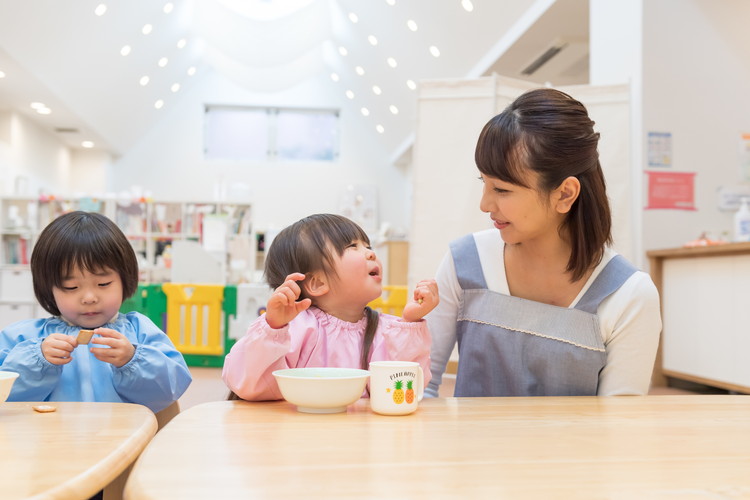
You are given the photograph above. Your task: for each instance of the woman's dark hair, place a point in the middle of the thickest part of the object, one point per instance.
(80, 240)
(306, 247)
(550, 133)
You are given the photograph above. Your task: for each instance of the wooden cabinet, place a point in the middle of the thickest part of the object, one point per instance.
(705, 297)
(394, 255)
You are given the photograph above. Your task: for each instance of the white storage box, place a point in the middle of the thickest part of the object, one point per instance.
(10, 312)
(16, 284)
(251, 303)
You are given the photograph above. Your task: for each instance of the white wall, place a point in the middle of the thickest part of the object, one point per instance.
(169, 161)
(696, 78)
(28, 151)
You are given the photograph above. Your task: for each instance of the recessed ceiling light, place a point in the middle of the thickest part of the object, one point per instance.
(125, 50)
(335, 77)
(411, 84)
(376, 90)
(2, 74)
(390, 2)
(100, 9)
(168, 7)
(191, 71)
(393, 109)
(159, 104)
(434, 51)
(343, 51)
(412, 25)
(392, 62)
(353, 17)
(467, 5)
(175, 87)
(147, 28)
(360, 70)
(181, 43)
(144, 80)
(37, 105)
(87, 144)
(365, 112)
(373, 41)
(43, 111)
(350, 94)
(379, 128)
(163, 62)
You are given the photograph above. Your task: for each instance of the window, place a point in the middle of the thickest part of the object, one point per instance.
(265, 134)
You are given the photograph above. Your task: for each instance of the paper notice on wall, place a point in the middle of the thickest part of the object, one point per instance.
(671, 190)
(659, 149)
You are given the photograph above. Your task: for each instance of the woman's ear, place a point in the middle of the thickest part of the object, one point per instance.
(316, 285)
(566, 194)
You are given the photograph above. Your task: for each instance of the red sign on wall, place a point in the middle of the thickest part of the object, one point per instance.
(671, 190)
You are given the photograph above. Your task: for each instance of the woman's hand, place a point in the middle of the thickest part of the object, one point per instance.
(282, 306)
(119, 350)
(426, 298)
(57, 348)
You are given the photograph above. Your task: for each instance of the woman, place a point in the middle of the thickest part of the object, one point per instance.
(540, 305)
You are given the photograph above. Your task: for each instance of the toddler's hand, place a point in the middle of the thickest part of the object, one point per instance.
(120, 350)
(58, 347)
(426, 298)
(282, 306)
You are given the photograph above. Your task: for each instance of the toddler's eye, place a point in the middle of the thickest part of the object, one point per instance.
(69, 288)
(105, 284)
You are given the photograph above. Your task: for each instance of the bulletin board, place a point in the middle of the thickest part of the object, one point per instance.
(446, 195)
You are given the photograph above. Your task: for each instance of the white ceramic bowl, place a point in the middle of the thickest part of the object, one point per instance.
(6, 383)
(321, 390)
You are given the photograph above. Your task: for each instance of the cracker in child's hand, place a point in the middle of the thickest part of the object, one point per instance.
(84, 336)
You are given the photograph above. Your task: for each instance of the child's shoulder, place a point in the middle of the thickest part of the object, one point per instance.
(135, 321)
(30, 328)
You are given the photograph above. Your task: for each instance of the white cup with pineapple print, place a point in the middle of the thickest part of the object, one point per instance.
(396, 387)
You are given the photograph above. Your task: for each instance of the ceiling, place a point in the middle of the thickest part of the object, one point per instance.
(64, 55)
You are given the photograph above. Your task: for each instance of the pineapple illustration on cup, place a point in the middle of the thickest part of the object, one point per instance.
(409, 391)
(398, 393)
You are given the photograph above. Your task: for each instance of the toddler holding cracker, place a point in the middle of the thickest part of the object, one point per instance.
(83, 268)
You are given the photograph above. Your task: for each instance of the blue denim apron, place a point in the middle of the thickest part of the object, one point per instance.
(509, 346)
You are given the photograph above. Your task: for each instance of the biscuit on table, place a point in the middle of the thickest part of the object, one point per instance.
(84, 336)
(44, 408)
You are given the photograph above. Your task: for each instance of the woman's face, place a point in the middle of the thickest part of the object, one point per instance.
(521, 214)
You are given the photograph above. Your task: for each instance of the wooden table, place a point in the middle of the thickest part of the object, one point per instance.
(71, 453)
(567, 447)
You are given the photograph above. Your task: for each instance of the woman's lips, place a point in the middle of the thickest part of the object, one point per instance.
(500, 225)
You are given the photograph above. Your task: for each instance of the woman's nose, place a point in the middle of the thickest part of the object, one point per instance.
(484, 203)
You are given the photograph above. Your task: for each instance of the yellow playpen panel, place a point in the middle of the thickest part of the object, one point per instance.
(194, 318)
(392, 301)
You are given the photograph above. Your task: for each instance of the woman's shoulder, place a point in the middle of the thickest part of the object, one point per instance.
(638, 286)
